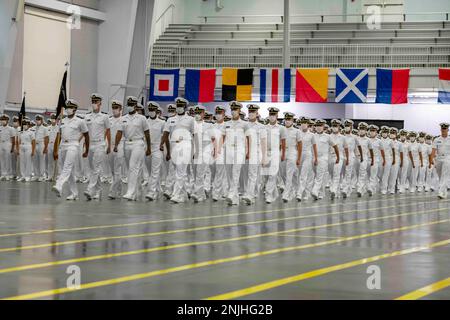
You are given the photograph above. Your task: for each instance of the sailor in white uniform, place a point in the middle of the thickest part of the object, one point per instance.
(7, 147)
(236, 151)
(308, 157)
(178, 133)
(323, 141)
(99, 131)
(440, 157)
(293, 145)
(219, 185)
(154, 162)
(67, 147)
(257, 157)
(363, 145)
(42, 141)
(116, 159)
(350, 141)
(136, 135)
(416, 161)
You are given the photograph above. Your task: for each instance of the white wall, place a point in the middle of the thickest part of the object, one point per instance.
(8, 33)
(115, 42)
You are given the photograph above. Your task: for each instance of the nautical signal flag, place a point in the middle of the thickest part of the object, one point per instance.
(200, 85)
(392, 86)
(351, 85)
(164, 84)
(237, 84)
(444, 86)
(311, 85)
(275, 85)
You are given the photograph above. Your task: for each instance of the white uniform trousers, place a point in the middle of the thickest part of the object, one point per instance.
(233, 172)
(68, 156)
(201, 165)
(306, 173)
(430, 178)
(414, 175)
(291, 175)
(134, 157)
(386, 173)
(347, 181)
(373, 178)
(116, 162)
(51, 162)
(443, 172)
(5, 159)
(393, 176)
(170, 178)
(421, 184)
(96, 158)
(362, 176)
(253, 170)
(39, 160)
(153, 164)
(26, 161)
(404, 174)
(234, 159)
(318, 189)
(336, 174)
(220, 183)
(272, 174)
(208, 177)
(181, 156)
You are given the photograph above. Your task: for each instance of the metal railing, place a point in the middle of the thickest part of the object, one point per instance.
(397, 17)
(158, 28)
(332, 55)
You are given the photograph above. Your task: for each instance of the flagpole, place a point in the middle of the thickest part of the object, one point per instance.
(55, 164)
(67, 65)
(17, 138)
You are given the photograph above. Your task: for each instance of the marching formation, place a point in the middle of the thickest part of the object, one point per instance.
(194, 155)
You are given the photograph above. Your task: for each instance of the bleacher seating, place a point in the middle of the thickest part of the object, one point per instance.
(395, 44)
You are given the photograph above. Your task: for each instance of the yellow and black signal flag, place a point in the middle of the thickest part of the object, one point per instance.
(237, 84)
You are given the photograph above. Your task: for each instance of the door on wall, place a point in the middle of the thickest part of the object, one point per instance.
(46, 50)
(391, 10)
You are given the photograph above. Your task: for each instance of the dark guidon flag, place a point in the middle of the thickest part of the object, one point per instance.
(62, 95)
(237, 84)
(22, 112)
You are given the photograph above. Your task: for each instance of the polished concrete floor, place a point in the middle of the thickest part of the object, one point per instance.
(138, 250)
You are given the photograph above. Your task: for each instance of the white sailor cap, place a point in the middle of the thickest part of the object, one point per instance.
(336, 122)
(289, 115)
(252, 107)
(363, 125)
(235, 105)
(320, 122)
(132, 101)
(151, 105)
(273, 110)
(96, 97)
(71, 103)
(116, 104)
(199, 108)
(181, 102)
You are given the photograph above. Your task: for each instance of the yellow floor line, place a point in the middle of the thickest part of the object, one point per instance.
(198, 243)
(38, 232)
(203, 228)
(140, 276)
(304, 236)
(319, 272)
(425, 291)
